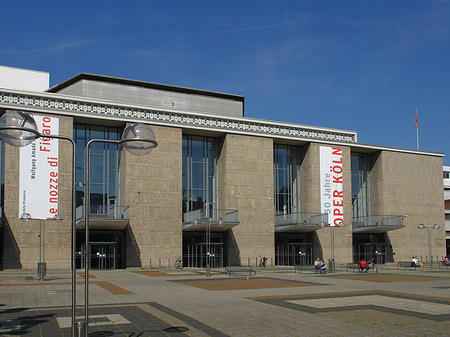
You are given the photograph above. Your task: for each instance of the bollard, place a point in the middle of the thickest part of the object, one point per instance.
(168, 263)
(81, 328)
(150, 263)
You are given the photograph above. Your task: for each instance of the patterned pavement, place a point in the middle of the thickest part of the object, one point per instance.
(273, 303)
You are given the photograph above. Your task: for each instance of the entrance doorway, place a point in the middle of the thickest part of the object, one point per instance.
(293, 249)
(291, 254)
(106, 250)
(103, 255)
(195, 250)
(372, 246)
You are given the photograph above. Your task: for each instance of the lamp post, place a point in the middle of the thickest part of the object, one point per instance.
(18, 128)
(434, 227)
(138, 139)
(208, 249)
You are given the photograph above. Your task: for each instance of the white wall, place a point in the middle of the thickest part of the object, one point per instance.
(24, 79)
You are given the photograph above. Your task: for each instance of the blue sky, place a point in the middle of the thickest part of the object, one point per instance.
(354, 65)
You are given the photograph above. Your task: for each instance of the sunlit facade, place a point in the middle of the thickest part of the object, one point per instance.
(218, 186)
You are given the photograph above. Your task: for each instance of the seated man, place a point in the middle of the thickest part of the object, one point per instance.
(414, 261)
(318, 265)
(362, 265)
(445, 261)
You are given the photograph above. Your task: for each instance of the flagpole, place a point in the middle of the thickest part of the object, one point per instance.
(417, 127)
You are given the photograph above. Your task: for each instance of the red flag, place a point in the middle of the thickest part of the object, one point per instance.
(417, 119)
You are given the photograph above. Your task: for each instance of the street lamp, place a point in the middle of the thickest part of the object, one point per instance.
(138, 139)
(18, 128)
(434, 227)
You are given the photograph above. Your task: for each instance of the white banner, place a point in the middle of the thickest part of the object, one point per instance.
(38, 184)
(332, 184)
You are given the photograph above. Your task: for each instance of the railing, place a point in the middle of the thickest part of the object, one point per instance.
(299, 218)
(104, 212)
(225, 215)
(378, 220)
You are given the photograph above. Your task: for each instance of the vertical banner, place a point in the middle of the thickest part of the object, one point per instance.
(332, 184)
(38, 183)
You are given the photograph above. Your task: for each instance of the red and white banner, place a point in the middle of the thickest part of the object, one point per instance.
(332, 184)
(39, 163)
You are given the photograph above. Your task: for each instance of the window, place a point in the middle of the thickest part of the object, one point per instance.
(360, 185)
(286, 179)
(200, 155)
(104, 166)
(446, 175)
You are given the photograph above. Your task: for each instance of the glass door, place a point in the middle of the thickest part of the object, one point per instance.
(103, 255)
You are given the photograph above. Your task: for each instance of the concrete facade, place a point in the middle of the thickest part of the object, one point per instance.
(246, 184)
(402, 183)
(152, 184)
(410, 185)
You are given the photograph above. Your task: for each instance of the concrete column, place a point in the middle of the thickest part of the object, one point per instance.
(151, 187)
(246, 184)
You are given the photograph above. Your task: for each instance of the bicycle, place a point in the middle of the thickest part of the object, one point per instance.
(373, 266)
(178, 263)
(263, 261)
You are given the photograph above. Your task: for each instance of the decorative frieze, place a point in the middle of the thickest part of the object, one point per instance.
(53, 103)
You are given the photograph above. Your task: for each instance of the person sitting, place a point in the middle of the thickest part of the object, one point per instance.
(445, 261)
(318, 265)
(414, 261)
(362, 265)
(324, 267)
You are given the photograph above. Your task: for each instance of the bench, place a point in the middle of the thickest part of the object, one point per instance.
(352, 266)
(248, 270)
(302, 267)
(443, 265)
(408, 264)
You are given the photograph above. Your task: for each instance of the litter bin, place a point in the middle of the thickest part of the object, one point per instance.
(41, 270)
(331, 265)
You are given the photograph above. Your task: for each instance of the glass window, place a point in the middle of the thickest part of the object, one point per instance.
(286, 179)
(200, 155)
(104, 165)
(360, 185)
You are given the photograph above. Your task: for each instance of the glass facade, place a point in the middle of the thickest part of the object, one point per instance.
(104, 167)
(286, 179)
(360, 185)
(200, 156)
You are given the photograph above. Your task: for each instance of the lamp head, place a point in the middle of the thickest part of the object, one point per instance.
(138, 139)
(435, 226)
(421, 226)
(18, 128)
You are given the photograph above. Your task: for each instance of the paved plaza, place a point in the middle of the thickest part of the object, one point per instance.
(275, 302)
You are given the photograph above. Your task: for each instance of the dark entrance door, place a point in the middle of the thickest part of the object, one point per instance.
(106, 249)
(195, 250)
(371, 246)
